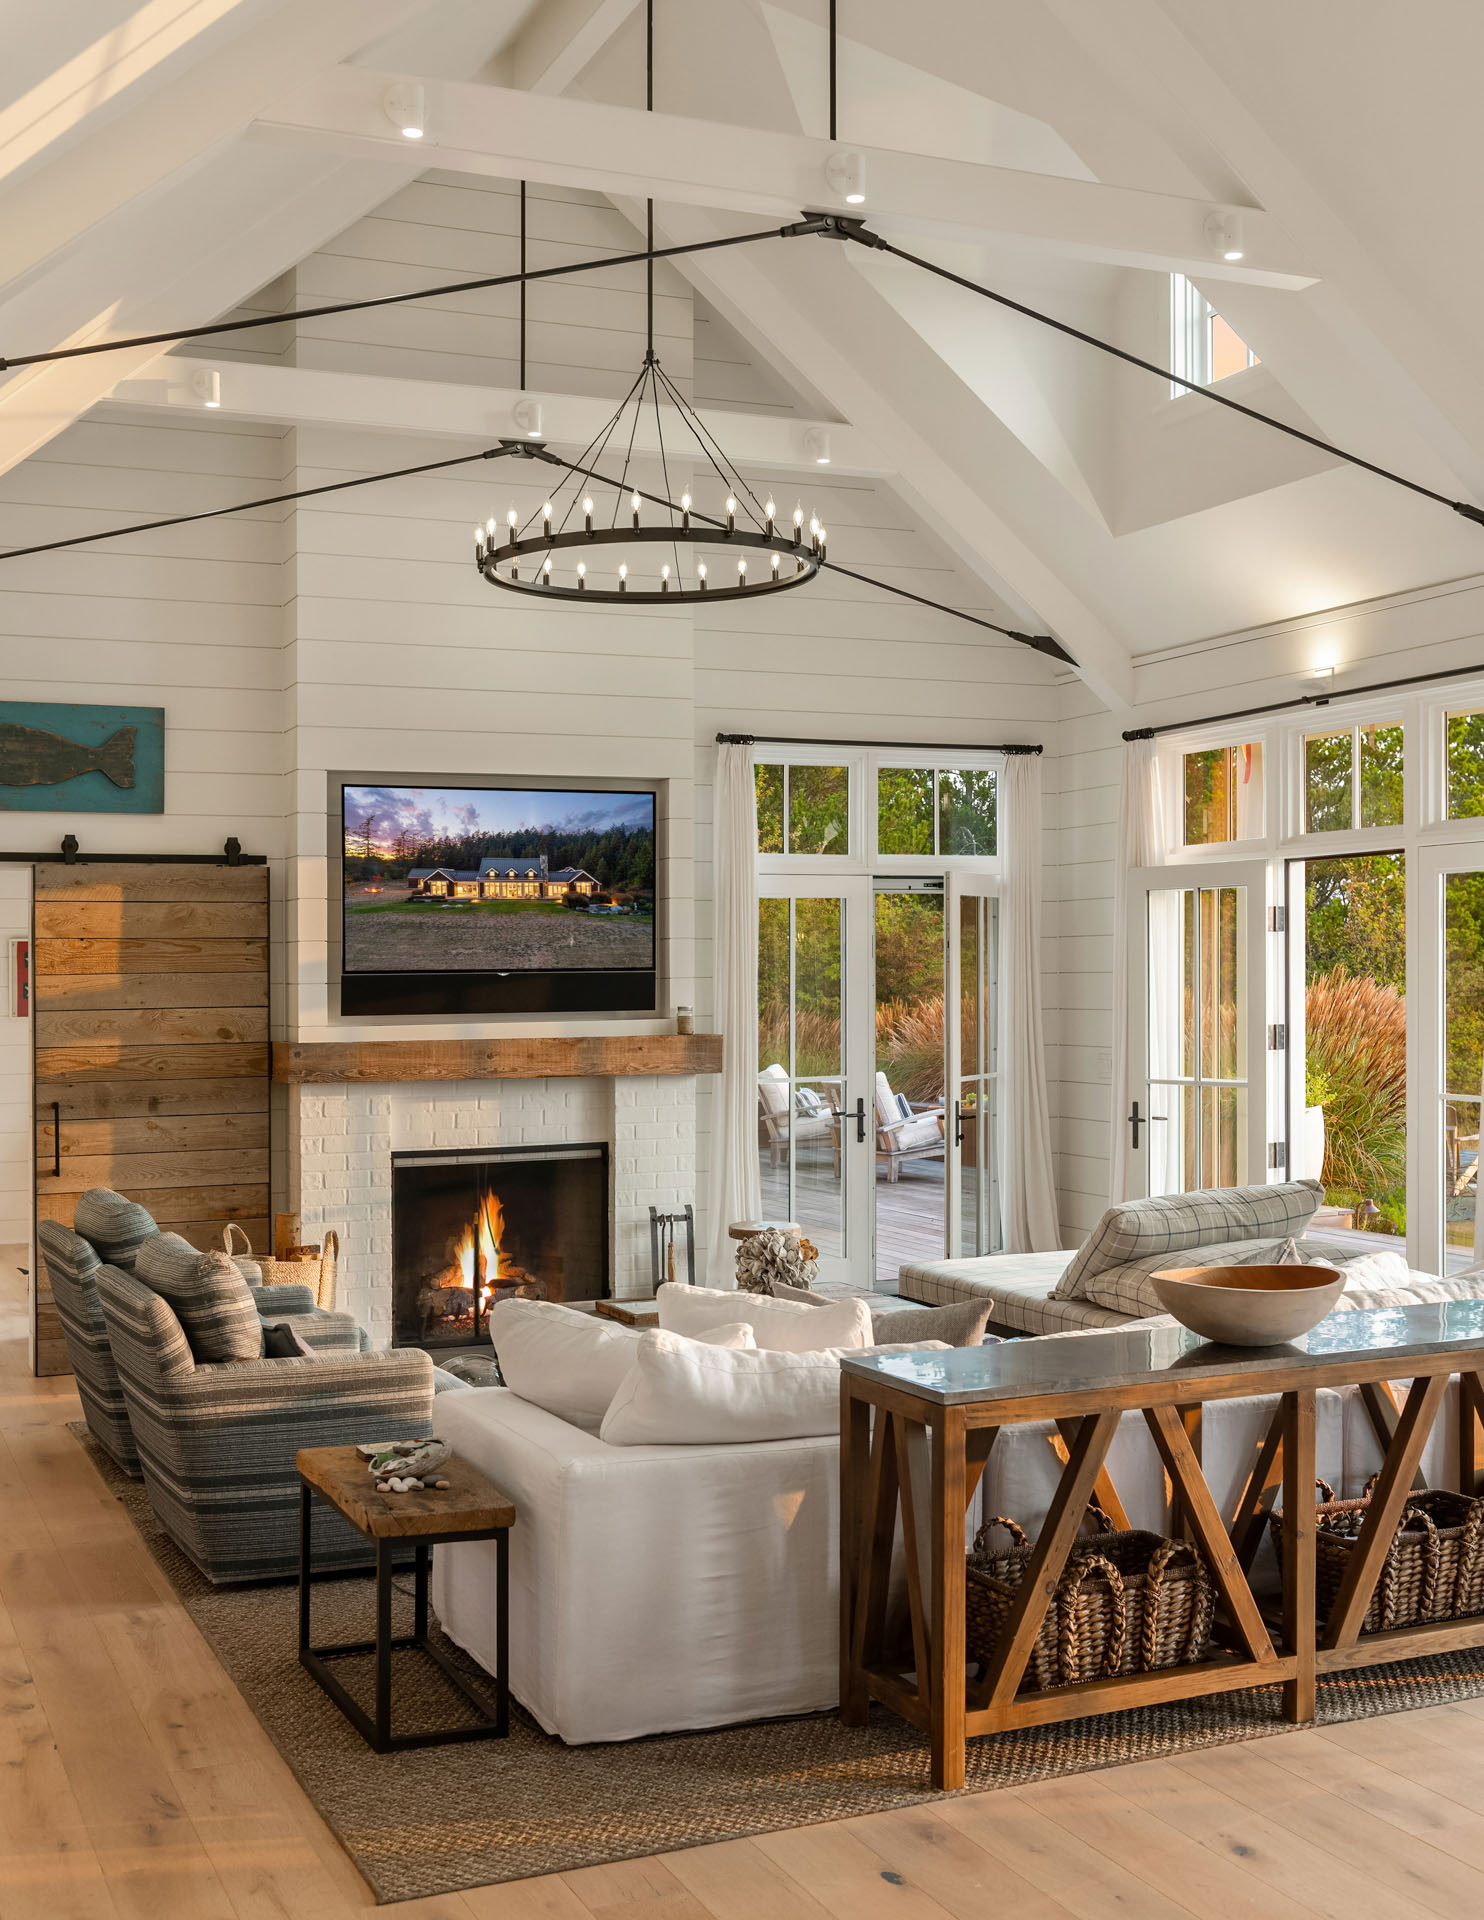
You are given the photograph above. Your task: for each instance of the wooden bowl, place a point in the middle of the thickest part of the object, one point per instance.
(1249, 1306)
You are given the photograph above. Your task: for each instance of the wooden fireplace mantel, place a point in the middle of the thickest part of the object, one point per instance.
(594, 1057)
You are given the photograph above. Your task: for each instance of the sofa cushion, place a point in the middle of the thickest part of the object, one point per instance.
(568, 1362)
(1178, 1222)
(215, 1306)
(781, 1326)
(1130, 1288)
(116, 1227)
(681, 1392)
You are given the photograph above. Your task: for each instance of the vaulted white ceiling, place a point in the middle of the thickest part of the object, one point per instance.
(162, 160)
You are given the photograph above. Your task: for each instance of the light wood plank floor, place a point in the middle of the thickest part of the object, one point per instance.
(135, 1784)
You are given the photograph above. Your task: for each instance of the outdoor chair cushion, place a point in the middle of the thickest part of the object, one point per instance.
(1175, 1223)
(217, 1309)
(115, 1227)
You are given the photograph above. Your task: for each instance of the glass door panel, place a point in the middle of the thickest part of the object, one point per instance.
(907, 1100)
(1445, 1025)
(973, 981)
(1198, 983)
(809, 1089)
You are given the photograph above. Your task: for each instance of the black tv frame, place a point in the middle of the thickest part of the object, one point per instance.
(431, 996)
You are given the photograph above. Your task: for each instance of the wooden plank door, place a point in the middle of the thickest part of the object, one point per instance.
(152, 1059)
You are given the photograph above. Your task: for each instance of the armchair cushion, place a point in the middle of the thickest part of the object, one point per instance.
(115, 1227)
(291, 1297)
(923, 1131)
(212, 1301)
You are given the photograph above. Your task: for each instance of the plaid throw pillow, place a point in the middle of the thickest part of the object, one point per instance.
(1130, 1288)
(1177, 1222)
(215, 1306)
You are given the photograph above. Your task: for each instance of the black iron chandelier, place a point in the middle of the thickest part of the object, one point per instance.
(592, 541)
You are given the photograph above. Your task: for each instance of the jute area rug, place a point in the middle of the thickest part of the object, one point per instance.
(446, 1818)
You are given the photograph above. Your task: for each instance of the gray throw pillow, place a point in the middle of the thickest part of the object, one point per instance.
(961, 1325)
(281, 1342)
(215, 1306)
(116, 1227)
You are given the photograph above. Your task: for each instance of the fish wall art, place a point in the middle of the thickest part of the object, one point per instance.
(65, 759)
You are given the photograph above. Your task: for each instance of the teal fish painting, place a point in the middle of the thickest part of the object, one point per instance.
(31, 758)
(76, 759)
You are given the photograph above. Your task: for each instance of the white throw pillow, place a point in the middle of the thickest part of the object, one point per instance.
(1371, 1271)
(570, 1363)
(684, 1393)
(780, 1326)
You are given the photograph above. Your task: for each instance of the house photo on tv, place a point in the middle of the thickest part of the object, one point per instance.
(497, 880)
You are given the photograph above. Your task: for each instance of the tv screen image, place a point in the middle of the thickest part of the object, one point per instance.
(497, 880)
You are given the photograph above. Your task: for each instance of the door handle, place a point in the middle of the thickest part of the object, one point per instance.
(1135, 1122)
(958, 1123)
(858, 1114)
(56, 1139)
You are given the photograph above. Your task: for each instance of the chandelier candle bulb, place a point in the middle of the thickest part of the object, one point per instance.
(701, 575)
(798, 524)
(623, 579)
(546, 571)
(634, 505)
(776, 558)
(664, 579)
(587, 516)
(510, 521)
(685, 513)
(581, 575)
(731, 515)
(742, 571)
(769, 512)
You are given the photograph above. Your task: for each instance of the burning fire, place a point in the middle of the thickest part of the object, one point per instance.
(479, 1259)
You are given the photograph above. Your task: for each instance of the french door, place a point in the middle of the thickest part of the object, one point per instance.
(1445, 1053)
(1199, 990)
(816, 1099)
(972, 1119)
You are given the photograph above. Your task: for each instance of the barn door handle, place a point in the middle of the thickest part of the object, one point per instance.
(56, 1139)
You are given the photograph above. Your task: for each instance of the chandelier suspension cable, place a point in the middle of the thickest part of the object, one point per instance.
(832, 69)
(522, 286)
(723, 468)
(855, 230)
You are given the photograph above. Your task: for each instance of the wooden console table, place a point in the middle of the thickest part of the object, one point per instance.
(923, 1424)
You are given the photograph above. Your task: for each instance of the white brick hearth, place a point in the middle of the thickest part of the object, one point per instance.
(342, 1138)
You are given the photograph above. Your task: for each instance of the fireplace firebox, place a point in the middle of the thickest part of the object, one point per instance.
(496, 1223)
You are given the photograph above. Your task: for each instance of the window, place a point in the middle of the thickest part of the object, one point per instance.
(1353, 778)
(1203, 347)
(943, 811)
(1223, 795)
(803, 809)
(1465, 766)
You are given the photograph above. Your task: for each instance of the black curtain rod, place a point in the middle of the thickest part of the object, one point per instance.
(1307, 701)
(70, 855)
(890, 746)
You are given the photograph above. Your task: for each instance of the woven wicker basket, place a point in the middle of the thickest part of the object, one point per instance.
(1434, 1567)
(318, 1272)
(1126, 1603)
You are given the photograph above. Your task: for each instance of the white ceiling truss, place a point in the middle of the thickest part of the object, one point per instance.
(156, 170)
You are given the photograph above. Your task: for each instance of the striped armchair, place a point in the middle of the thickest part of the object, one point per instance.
(72, 1265)
(217, 1443)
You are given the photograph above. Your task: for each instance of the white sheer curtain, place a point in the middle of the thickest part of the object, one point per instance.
(736, 1186)
(1140, 844)
(1027, 1180)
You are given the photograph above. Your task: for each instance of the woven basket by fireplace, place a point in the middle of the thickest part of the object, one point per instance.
(317, 1270)
(1434, 1566)
(1127, 1602)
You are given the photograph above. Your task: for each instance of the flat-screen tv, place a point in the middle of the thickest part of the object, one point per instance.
(468, 898)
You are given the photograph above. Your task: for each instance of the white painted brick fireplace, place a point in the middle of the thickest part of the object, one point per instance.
(342, 1138)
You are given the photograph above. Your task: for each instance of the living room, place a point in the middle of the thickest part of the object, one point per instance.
(902, 952)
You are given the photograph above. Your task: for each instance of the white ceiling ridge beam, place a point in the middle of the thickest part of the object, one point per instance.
(559, 40)
(503, 133)
(312, 396)
(946, 457)
(140, 149)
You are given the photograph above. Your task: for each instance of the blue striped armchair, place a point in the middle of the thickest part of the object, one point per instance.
(217, 1444)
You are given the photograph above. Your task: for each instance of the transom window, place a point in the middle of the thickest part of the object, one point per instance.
(803, 808)
(1353, 778)
(935, 810)
(1222, 795)
(1203, 347)
(1465, 755)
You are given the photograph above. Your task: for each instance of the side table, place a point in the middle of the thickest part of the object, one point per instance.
(470, 1508)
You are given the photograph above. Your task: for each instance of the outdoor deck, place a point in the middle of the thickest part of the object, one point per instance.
(909, 1210)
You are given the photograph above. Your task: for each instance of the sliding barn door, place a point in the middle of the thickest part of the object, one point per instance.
(151, 1019)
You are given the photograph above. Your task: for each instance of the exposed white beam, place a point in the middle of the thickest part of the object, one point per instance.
(559, 40)
(304, 396)
(969, 477)
(622, 151)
